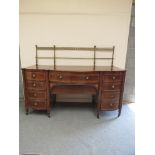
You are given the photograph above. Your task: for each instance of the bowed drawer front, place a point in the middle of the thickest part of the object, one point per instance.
(38, 104)
(74, 77)
(36, 85)
(35, 75)
(114, 86)
(115, 77)
(37, 94)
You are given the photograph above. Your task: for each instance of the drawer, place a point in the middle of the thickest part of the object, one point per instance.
(36, 85)
(36, 94)
(112, 77)
(112, 86)
(37, 104)
(110, 95)
(35, 75)
(74, 77)
(109, 106)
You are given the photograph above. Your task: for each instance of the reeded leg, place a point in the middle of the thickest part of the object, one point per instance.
(98, 114)
(119, 112)
(27, 111)
(93, 99)
(48, 113)
(54, 99)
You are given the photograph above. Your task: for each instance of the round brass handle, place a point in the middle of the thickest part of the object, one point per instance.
(60, 77)
(34, 84)
(111, 104)
(113, 86)
(87, 77)
(35, 94)
(35, 103)
(113, 77)
(33, 75)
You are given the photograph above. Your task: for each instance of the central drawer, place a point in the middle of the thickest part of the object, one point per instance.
(74, 77)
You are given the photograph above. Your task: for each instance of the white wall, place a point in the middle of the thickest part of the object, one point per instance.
(74, 23)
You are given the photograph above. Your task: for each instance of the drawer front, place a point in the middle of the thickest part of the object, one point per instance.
(110, 100)
(36, 85)
(35, 75)
(112, 86)
(113, 77)
(37, 94)
(37, 104)
(110, 96)
(109, 106)
(74, 77)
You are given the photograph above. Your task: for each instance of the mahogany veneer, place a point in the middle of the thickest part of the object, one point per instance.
(103, 82)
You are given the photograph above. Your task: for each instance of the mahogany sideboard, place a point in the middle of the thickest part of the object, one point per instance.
(106, 85)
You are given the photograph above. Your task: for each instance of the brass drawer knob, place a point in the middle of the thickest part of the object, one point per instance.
(113, 86)
(33, 75)
(111, 104)
(60, 77)
(35, 94)
(87, 77)
(112, 96)
(34, 85)
(113, 77)
(35, 103)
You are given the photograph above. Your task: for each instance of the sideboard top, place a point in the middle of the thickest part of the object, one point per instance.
(75, 68)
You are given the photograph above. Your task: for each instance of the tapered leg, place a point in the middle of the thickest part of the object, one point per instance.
(53, 99)
(27, 111)
(93, 99)
(119, 112)
(98, 114)
(48, 113)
